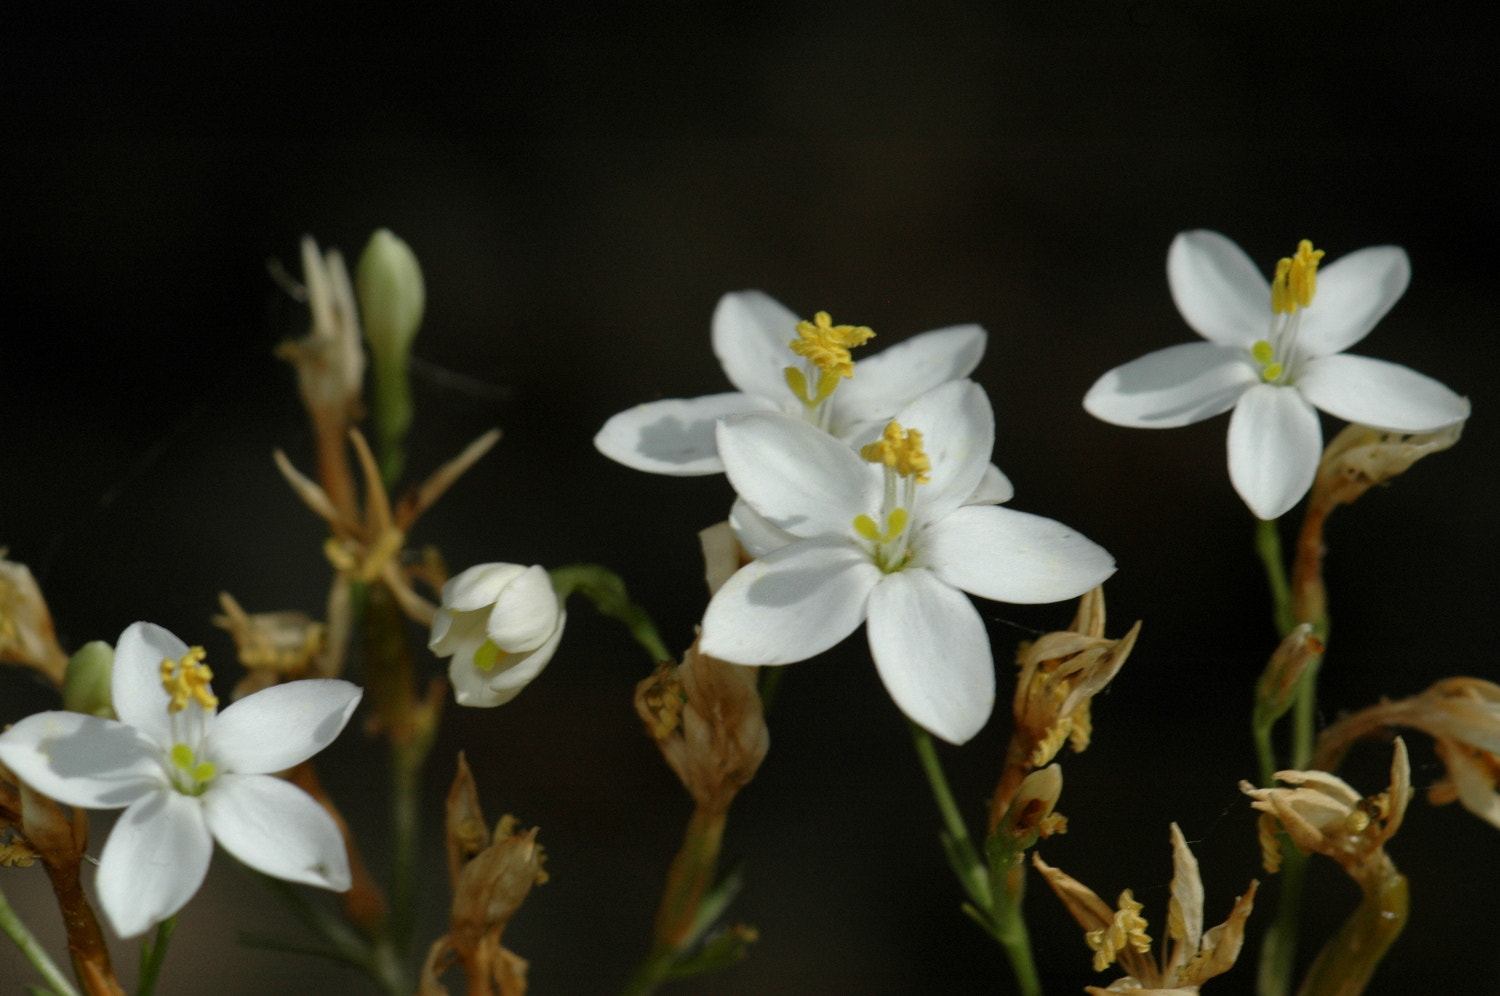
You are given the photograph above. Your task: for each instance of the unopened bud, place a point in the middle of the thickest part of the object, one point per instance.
(392, 296)
(86, 688)
(1277, 688)
(1030, 815)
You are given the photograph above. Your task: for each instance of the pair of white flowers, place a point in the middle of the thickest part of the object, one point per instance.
(867, 499)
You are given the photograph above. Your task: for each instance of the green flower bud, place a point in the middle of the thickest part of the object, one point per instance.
(86, 688)
(392, 296)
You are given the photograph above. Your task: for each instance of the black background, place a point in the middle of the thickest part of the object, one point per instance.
(581, 187)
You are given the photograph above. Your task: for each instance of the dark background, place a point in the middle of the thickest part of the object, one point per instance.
(580, 189)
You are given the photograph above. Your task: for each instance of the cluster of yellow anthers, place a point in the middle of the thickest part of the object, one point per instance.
(188, 678)
(1126, 929)
(901, 450)
(827, 345)
(1296, 279)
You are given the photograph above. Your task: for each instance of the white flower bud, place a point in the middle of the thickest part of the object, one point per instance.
(500, 623)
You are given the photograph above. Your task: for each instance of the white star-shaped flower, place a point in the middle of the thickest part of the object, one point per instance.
(188, 775)
(893, 539)
(1274, 354)
(752, 336)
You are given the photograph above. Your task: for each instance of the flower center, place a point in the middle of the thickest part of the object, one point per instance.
(825, 346)
(189, 775)
(187, 683)
(1292, 288)
(906, 466)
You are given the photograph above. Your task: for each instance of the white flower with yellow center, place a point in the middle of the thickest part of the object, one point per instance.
(501, 624)
(804, 369)
(894, 539)
(1274, 367)
(188, 775)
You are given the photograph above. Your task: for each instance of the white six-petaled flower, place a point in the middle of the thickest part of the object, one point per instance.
(893, 539)
(1274, 354)
(501, 624)
(187, 775)
(752, 336)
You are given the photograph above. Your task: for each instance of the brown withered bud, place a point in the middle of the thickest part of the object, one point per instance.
(1060, 675)
(1462, 715)
(1360, 457)
(705, 715)
(273, 646)
(26, 634)
(491, 876)
(1322, 813)
(1277, 688)
(1118, 933)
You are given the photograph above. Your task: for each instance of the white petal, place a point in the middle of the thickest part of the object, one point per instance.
(83, 760)
(1012, 556)
(790, 605)
(1379, 394)
(882, 384)
(473, 686)
(1218, 289)
(1175, 386)
(756, 534)
(135, 681)
(153, 862)
(525, 614)
(276, 828)
(994, 488)
(1274, 444)
(479, 586)
(958, 436)
(1354, 292)
(452, 631)
(674, 436)
(933, 654)
(280, 726)
(800, 478)
(751, 335)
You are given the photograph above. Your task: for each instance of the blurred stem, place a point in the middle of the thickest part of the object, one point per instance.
(15, 928)
(1278, 948)
(689, 879)
(153, 954)
(1349, 959)
(606, 590)
(409, 727)
(393, 416)
(1268, 545)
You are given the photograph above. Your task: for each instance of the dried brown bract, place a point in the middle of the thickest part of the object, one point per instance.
(26, 634)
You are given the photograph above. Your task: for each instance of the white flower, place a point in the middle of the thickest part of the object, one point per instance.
(187, 776)
(896, 544)
(501, 623)
(1273, 355)
(752, 334)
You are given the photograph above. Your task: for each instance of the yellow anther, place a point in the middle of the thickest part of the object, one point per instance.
(197, 771)
(187, 679)
(895, 525)
(1263, 352)
(1127, 930)
(901, 450)
(1296, 279)
(828, 345)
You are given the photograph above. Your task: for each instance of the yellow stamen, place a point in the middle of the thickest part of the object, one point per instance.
(1296, 279)
(187, 679)
(1127, 929)
(199, 771)
(828, 345)
(895, 524)
(901, 450)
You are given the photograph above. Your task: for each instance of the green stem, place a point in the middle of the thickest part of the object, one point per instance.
(1278, 950)
(406, 800)
(995, 888)
(1349, 959)
(974, 875)
(1268, 545)
(153, 954)
(15, 928)
(607, 591)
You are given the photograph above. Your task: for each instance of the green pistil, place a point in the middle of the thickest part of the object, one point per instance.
(199, 773)
(1265, 355)
(487, 654)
